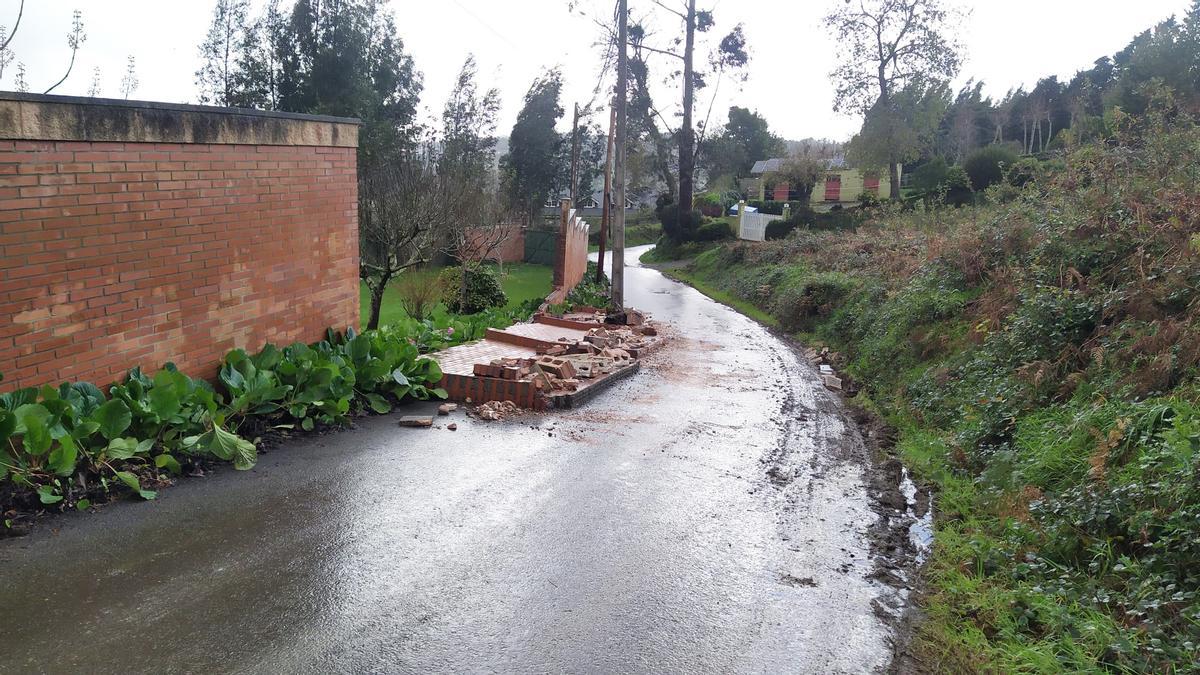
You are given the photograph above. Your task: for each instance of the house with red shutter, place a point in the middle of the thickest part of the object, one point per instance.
(840, 184)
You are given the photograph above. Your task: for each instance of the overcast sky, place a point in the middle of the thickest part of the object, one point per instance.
(1008, 44)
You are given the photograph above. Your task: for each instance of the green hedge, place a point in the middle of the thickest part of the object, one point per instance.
(483, 289)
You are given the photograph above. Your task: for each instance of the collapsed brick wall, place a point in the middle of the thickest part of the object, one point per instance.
(127, 242)
(570, 260)
(510, 249)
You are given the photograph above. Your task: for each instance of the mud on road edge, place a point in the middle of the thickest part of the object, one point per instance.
(898, 560)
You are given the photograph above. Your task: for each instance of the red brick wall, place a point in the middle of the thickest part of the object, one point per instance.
(512, 249)
(116, 254)
(570, 261)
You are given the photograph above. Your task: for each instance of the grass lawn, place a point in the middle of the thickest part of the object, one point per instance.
(521, 282)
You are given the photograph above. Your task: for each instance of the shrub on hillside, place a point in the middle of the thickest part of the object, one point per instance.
(1023, 171)
(804, 217)
(986, 166)
(778, 229)
(798, 304)
(483, 289)
(717, 230)
(680, 227)
(956, 189)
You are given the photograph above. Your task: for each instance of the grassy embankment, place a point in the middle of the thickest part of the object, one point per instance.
(1038, 357)
(640, 230)
(521, 282)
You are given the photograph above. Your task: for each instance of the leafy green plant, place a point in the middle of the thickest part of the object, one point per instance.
(589, 292)
(71, 444)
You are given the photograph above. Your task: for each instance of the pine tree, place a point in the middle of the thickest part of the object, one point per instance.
(534, 157)
(216, 77)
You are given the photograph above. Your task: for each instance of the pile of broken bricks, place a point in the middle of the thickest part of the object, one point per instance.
(561, 367)
(550, 362)
(825, 360)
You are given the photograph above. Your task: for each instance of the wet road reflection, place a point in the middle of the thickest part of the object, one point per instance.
(648, 531)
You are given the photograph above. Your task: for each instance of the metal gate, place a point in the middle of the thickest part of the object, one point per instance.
(541, 246)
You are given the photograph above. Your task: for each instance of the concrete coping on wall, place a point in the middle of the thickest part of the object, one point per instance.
(40, 117)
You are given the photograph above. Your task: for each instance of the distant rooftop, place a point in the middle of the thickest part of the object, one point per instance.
(764, 166)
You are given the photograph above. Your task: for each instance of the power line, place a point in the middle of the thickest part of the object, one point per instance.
(486, 25)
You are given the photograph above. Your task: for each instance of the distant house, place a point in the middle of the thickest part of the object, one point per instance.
(841, 184)
(593, 205)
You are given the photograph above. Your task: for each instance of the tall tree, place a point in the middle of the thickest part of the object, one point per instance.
(592, 142)
(884, 47)
(899, 132)
(533, 163)
(469, 127)
(216, 78)
(729, 55)
(468, 162)
(339, 57)
(256, 80)
(745, 139)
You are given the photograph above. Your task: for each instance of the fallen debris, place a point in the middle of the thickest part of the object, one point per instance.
(496, 410)
(416, 421)
(452, 426)
(559, 367)
(447, 408)
(536, 366)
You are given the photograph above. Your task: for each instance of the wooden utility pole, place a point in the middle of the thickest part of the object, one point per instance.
(687, 133)
(618, 255)
(575, 157)
(605, 219)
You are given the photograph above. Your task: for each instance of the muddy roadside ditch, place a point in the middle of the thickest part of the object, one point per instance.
(901, 536)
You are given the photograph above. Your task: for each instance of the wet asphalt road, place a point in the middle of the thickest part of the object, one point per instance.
(641, 533)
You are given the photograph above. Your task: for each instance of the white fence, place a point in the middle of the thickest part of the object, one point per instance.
(753, 226)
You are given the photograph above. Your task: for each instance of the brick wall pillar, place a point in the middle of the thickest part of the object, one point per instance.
(560, 246)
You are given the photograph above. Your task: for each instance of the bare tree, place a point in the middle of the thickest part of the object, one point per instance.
(94, 89)
(729, 55)
(129, 83)
(74, 40)
(885, 47)
(402, 205)
(963, 133)
(479, 226)
(6, 55)
(21, 83)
